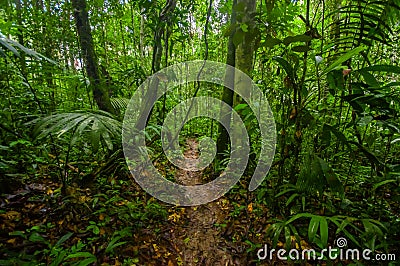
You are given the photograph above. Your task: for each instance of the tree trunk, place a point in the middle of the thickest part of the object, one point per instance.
(240, 57)
(20, 34)
(151, 95)
(141, 36)
(227, 94)
(100, 92)
(245, 50)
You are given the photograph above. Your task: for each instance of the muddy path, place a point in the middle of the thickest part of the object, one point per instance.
(199, 241)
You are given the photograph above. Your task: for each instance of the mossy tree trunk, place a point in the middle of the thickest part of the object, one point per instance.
(227, 94)
(99, 88)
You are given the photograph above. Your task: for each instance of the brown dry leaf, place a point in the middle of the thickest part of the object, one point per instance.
(101, 216)
(11, 215)
(170, 263)
(102, 231)
(29, 205)
(117, 263)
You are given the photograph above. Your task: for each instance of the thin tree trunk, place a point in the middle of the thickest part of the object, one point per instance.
(100, 92)
(20, 34)
(141, 37)
(227, 94)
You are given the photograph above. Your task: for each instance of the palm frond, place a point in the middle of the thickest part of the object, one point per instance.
(119, 104)
(363, 21)
(95, 127)
(14, 46)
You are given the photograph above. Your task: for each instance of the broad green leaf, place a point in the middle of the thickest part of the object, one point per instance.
(63, 239)
(339, 135)
(80, 131)
(80, 255)
(395, 141)
(369, 78)
(271, 41)
(301, 48)
(111, 246)
(382, 183)
(298, 216)
(35, 237)
(59, 259)
(277, 233)
(114, 243)
(298, 38)
(323, 225)
(95, 136)
(382, 68)
(313, 228)
(295, 233)
(87, 261)
(291, 198)
(288, 239)
(238, 37)
(9, 47)
(371, 228)
(286, 66)
(343, 59)
(240, 106)
(284, 192)
(334, 183)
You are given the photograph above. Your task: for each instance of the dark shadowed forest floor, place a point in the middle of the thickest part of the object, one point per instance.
(35, 218)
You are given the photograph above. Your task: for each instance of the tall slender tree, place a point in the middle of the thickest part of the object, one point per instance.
(100, 91)
(227, 94)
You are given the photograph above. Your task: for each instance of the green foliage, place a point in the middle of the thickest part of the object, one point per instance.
(316, 175)
(329, 70)
(96, 127)
(363, 233)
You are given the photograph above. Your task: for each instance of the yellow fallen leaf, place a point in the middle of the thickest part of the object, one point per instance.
(11, 215)
(155, 247)
(250, 207)
(174, 217)
(49, 191)
(11, 241)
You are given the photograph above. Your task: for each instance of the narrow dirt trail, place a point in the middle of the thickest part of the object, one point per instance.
(199, 242)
